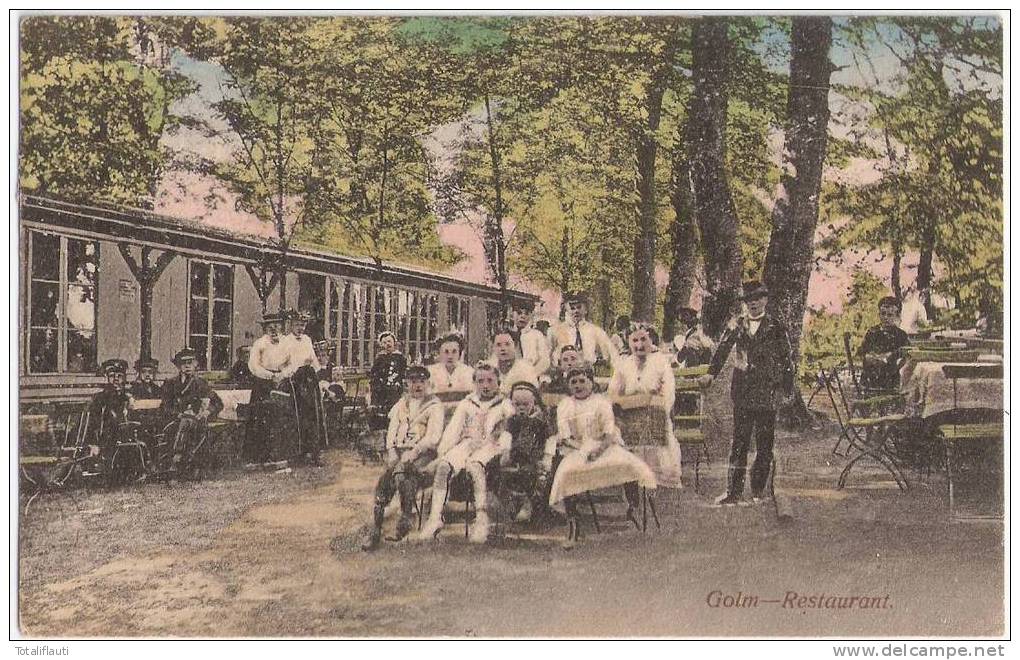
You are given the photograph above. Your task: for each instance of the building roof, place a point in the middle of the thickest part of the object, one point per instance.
(140, 226)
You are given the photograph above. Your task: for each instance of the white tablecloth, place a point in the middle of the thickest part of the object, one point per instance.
(928, 391)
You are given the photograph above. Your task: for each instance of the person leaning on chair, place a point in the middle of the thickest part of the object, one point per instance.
(882, 348)
(762, 378)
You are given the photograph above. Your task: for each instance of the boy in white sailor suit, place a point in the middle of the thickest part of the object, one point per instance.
(449, 375)
(470, 441)
(532, 343)
(416, 425)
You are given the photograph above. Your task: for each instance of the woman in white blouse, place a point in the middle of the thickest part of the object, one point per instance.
(649, 372)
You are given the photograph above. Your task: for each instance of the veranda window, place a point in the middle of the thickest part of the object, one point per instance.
(63, 276)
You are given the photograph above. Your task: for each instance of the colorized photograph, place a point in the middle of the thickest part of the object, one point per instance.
(537, 325)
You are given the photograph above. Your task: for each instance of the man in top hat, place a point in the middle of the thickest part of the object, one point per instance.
(108, 410)
(145, 386)
(188, 403)
(590, 340)
(531, 343)
(268, 360)
(303, 373)
(762, 378)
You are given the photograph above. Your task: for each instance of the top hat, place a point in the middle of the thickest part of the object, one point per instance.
(113, 365)
(146, 363)
(753, 290)
(184, 355)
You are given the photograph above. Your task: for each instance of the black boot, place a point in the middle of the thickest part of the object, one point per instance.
(375, 536)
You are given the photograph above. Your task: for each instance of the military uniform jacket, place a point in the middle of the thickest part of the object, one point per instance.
(763, 363)
(140, 390)
(184, 395)
(107, 411)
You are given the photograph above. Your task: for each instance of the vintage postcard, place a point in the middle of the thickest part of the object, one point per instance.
(511, 326)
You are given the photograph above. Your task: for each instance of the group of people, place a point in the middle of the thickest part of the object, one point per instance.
(486, 429)
(173, 437)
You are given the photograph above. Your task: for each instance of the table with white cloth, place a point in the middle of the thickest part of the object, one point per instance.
(928, 391)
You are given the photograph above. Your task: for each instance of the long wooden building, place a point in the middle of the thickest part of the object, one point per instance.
(99, 282)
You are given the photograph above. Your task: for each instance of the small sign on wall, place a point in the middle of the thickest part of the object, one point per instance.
(127, 290)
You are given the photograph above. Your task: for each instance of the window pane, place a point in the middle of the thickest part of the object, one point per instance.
(81, 307)
(345, 353)
(199, 279)
(200, 344)
(221, 318)
(198, 318)
(45, 256)
(220, 353)
(45, 297)
(42, 351)
(81, 352)
(223, 282)
(82, 262)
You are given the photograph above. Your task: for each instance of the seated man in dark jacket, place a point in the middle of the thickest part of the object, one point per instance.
(145, 386)
(882, 349)
(108, 411)
(188, 403)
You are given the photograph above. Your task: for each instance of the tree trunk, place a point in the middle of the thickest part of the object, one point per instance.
(147, 276)
(643, 292)
(924, 271)
(713, 206)
(897, 288)
(494, 224)
(790, 255)
(684, 240)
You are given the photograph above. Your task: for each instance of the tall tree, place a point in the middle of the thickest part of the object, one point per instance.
(706, 145)
(790, 256)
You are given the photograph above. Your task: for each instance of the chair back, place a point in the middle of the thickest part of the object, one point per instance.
(849, 352)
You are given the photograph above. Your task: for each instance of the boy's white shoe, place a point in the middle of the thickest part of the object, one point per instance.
(480, 530)
(430, 530)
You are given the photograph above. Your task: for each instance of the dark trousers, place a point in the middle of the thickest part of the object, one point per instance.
(406, 480)
(258, 429)
(761, 423)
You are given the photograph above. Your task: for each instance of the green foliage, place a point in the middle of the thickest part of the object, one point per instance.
(822, 343)
(96, 95)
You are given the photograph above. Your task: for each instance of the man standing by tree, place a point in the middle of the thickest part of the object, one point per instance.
(762, 377)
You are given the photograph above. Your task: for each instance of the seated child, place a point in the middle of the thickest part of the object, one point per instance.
(570, 357)
(593, 453)
(470, 442)
(416, 424)
(526, 442)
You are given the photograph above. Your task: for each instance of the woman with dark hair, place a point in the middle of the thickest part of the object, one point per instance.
(449, 374)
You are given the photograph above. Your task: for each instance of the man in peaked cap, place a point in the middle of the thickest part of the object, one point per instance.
(267, 361)
(762, 378)
(145, 385)
(108, 410)
(589, 339)
(188, 403)
(302, 373)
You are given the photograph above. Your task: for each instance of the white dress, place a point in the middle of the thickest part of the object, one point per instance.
(583, 426)
(473, 433)
(656, 378)
(521, 371)
(594, 342)
(444, 382)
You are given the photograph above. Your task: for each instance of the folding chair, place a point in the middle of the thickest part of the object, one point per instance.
(973, 436)
(688, 415)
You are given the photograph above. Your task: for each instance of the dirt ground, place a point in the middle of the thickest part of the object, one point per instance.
(272, 555)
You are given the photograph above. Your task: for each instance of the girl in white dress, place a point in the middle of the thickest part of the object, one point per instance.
(593, 453)
(645, 371)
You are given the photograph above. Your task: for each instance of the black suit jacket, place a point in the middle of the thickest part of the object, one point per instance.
(179, 397)
(769, 372)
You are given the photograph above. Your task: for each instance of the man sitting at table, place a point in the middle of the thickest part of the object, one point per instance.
(145, 386)
(882, 348)
(188, 403)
